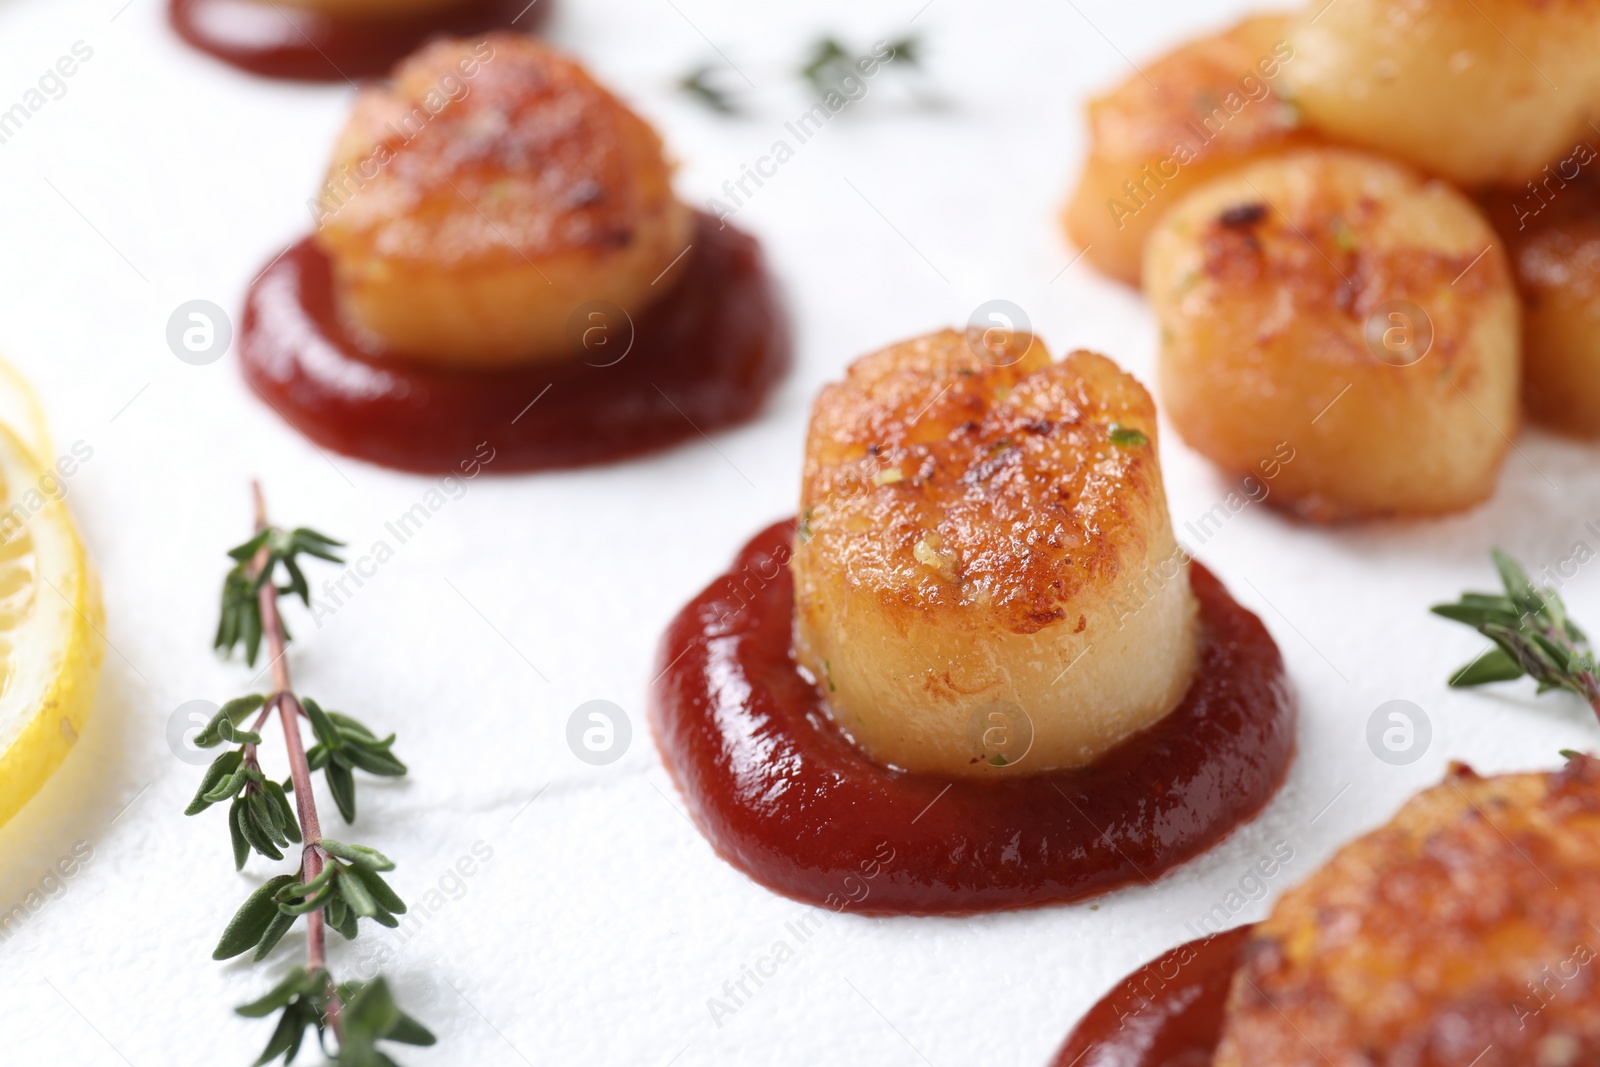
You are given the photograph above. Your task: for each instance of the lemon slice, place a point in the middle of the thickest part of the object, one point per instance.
(50, 625)
(22, 414)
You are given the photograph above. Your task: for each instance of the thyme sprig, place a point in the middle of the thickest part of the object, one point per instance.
(336, 884)
(369, 1015)
(825, 68)
(1532, 633)
(343, 746)
(830, 62)
(256, 565)
(699, 84)
(827, 61)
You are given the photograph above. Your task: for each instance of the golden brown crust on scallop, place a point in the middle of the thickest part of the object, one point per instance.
(1463, 932)
(1007, 473)
(1186, 87)
(478, 203)
(982, 529)
(534, 158)
(1553, 239)
(1259, 257)
(1189, 115)
(1276, 288)
(1478, 91)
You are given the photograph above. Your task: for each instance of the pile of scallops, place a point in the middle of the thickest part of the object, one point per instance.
(1370, 232)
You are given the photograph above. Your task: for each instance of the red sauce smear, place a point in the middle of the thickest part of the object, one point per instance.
(1168, 1013)
(281, 41)
(703, 357)
(784, 796)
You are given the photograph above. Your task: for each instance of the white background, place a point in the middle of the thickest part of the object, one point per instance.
(603, 922)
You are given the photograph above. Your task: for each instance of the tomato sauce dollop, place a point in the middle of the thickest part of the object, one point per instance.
(784, 796)
(1168, 1013)
(703, 357)
(282, 41)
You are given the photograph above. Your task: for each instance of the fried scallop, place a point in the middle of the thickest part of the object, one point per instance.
(985, 545)
(1463, 932)
(1479, 92)
(1553, 239)
(1191, 115)
(1341, 308)
(493, 188)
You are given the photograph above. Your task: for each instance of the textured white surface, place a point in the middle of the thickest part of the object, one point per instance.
(603, 922)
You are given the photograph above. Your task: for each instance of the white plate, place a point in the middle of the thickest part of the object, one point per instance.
(603, 923)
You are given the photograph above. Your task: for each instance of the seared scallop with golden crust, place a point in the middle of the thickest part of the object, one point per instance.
(1553, 239)
(984, 543)
(468, 216)
(1344, 307)
(1463, 932)
(1190, 115)
(1479, 91)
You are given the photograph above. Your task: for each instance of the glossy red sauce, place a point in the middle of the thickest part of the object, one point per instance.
(1168, 1013)
(281, 41)
(785, 797)
(703, 357)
